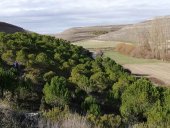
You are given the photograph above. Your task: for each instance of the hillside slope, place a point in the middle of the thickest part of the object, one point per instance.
(84, 33)
(125, 33)
(9, 28)
(133, 32)
(41, 74)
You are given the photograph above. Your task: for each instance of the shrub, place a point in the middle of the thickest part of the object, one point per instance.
(137, 100)
(8, 56)
(42, 58)
(21, 57)
(134, 51)
(56, 92)
(105, 121)
(91, 106)
(49, 75)
(126, 49)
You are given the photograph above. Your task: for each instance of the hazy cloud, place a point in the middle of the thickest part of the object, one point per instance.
(51, 16)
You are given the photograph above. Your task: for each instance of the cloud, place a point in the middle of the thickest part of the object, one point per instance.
(51, 16)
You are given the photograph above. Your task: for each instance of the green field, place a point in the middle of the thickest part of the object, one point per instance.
(119, 58)
(123, 59)
(95, 44)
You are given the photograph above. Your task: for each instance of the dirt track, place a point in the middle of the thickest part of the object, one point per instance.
(160, 71)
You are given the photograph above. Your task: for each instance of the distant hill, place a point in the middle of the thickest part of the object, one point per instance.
(84, 33)
(9, 28)
(124, 33)
(133, 32)
(127, 33)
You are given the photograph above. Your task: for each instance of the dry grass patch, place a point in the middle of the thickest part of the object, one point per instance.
(96, 44)
(158, 71)
(134, 50)
(126, 49)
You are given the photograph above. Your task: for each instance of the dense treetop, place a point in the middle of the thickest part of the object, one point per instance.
(40, 73)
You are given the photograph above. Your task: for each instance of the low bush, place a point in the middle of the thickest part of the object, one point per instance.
(125, 49)
(134, 51)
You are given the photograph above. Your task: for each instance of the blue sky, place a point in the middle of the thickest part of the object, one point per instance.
(52, 16)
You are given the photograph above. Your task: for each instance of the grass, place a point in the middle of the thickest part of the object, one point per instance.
(95, 44)
(119, 58)
(123, 59)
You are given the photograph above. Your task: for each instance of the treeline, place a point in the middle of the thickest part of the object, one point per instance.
(151, 39)
(41, 73)
(134, 51)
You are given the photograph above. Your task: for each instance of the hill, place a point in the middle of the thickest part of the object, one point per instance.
(84, 33)
(9, 28)
(43, 74)
(124, 33)
(133, 33)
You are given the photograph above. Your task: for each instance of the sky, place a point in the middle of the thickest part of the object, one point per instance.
(53, 16)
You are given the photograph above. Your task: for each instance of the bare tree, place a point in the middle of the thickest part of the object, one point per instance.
(143, 37)
(159, 37)
(155, 37)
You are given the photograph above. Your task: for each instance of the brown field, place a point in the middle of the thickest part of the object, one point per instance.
(156, 71)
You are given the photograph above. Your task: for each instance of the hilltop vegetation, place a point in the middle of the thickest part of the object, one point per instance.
(41, 73)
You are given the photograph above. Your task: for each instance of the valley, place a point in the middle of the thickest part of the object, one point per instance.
(150, 68)
(81, 77)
